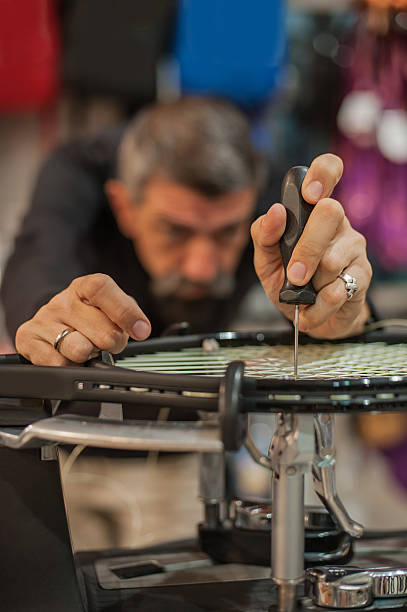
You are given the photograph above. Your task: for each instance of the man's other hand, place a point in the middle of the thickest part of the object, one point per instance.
(100, 315)
(328, 247)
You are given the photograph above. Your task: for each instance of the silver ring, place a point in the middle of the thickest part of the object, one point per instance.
(351, 285)
(61, 336)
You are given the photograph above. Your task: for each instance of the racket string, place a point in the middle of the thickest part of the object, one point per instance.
(317, 361)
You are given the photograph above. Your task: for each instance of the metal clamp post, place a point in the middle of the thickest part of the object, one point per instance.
(291, 456)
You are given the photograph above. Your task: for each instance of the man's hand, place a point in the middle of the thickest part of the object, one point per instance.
(100, 314)
(328, 246)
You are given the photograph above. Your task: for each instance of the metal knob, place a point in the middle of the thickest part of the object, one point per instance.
(339, 587)
(353, 587)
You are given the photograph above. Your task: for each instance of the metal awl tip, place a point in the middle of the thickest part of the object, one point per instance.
(296, 319)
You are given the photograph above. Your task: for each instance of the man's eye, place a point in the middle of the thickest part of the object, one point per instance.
(174, 233)
(228, 233)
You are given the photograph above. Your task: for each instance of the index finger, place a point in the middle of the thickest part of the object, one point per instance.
(101, 291)
(323, 225)
(323, 175)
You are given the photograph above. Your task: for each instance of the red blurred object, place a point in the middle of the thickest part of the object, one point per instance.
(29, 54)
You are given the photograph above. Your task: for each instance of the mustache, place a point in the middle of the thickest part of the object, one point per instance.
(168, 286)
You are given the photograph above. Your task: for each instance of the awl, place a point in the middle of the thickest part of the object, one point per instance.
(298, 211)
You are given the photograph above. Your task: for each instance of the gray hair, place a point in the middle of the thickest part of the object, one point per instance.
(201, 143)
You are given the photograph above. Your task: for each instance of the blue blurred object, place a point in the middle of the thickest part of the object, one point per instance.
(231, 48)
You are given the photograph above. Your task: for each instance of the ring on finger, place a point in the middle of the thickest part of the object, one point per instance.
(61, 336)
(351, 284)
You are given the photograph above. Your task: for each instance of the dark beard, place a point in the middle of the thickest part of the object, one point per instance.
(199, 313)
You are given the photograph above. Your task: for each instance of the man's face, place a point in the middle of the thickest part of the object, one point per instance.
(190, 244)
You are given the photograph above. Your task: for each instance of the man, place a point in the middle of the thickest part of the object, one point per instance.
(117, 244)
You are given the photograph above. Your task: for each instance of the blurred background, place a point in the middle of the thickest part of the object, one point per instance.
(312, 76)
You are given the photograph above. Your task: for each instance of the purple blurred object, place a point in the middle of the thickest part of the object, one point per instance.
(373, 189)
(397, 460)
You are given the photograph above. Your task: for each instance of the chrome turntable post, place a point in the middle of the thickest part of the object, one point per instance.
(291, 456)
(300, 443)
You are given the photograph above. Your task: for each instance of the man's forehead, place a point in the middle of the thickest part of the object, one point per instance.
(183, 205)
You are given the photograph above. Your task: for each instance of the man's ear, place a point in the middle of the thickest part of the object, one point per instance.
(123, 207)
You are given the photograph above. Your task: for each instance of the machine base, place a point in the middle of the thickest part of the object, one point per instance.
(208, 588)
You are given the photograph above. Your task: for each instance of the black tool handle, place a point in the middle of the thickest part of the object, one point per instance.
(298, 211)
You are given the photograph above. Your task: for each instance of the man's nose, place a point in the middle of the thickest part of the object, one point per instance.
(201, 262)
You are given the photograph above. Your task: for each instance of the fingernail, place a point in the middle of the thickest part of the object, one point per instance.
(141, 330)
(296, 272)
(314, 191)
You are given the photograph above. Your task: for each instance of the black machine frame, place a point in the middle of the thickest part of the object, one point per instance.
(231, 395)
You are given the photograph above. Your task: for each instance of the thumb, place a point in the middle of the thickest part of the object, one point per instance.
(266, 232)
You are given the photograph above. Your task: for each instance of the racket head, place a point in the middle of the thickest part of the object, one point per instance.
(361, 373)
(371, 376)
